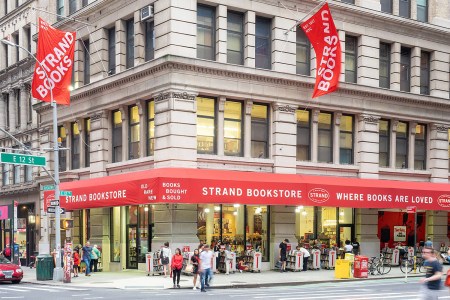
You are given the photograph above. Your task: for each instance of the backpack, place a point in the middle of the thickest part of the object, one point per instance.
(7, 251)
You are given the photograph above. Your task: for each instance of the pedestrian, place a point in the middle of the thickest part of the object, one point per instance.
(206, 258)
(95, 256)
(76, 262)
(306, 256)
(87, 249)
(348, 248)
(283, 254)
(217, 247)
(432, 281)
(242, 266)
(176, 266)
(356, 247)
(165, 255)
(195, 260)
(7, 252)
(428, 243)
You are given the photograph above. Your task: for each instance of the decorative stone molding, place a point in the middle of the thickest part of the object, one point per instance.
(371, 119)
(284, 108)
(222, 100)
(315, 115)
(175, 95)
(96, 116)
(412, 129)
(337, 118)
(248, 107)
(440, 127)
(394, 125)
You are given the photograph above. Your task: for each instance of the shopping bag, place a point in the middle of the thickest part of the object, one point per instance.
(170, 272)
(278, 265)
(447, 279)
(189, 269)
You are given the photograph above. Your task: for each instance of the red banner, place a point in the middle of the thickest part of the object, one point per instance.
(323, 36)
(53, 72)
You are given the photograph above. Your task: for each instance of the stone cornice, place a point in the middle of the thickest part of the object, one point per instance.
(370, 118)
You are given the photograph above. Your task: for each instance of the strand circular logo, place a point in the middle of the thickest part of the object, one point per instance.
(319, 195)
(444, 201)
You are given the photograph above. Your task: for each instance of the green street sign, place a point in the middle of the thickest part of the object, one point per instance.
(22, 159)
(65, 193)
(50, 187)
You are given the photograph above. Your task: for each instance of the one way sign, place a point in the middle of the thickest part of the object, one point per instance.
(51, 210)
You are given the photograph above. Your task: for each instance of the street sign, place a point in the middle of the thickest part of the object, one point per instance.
(48, 187)
(52, 210)
(411, 209)
(65, 193)
(22, 159)
(54, 202)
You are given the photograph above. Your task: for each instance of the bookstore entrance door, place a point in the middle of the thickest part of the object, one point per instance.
(346, 232)
(132, 236)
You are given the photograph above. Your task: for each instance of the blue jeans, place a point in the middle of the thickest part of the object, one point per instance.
(87, 261)
(205, 277)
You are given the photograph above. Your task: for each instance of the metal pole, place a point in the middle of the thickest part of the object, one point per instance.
(415, 238)
(57, 274)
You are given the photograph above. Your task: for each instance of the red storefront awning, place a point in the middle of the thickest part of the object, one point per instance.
(179, 185)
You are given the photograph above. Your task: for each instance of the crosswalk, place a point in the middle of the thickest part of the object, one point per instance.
(22, 291)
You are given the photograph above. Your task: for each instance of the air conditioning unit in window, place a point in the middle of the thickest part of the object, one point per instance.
(147, 13)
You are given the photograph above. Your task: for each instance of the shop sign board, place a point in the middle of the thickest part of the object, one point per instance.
(399, 233)
(186, 249)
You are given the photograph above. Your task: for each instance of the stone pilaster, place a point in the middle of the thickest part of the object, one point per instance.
(175, 129)
(437, 226)
(368, 60)
(249, 39)
(341, 35)
(283, 46)
(336, 137)
(248, 129)
(221, 33)
(368, 146)
(121, 46)
(99, 54)
(282, 227)
(139, 39)
(395, 8)
(24, 96)
(439, 77)
(413, 7)
(395, 66)
(99, 143)
(284, 138)
(367, 231)
(12, 110)
(438, 155)
(415, 70)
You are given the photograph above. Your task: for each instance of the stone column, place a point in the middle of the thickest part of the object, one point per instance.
(2, 116)
(395, 66)
(315, 135)
(438, 155)
(367, 231)
(221, 126)
(248, 129)
(336, 137)
(437, 226)
(24, 96)
(175, 129)
(12, 110)
(221, 33)
(99, 54)
(249, 39)
(415, 70)
(393, 151)
(99, 143)
(368, 60)
(395, 8)
(411, 144)
(282, 227)
(341, 35)
(283, 46)
(368, 146)
(284, 138)
(439, 78)
(139, 39)
(413, 11)
(121, 46)
(125, 127)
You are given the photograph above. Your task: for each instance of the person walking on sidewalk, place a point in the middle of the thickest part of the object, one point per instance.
(195, 260)
(206, 258)
(283, 254)
(306, 256)
(76, 262)
(177, 265)
(87, 249)
(165, 255)
(95, 256)
(432, 281)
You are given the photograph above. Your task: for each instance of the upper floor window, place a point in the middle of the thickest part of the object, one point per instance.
(386, 6)
(425, 73)
(263, 42)
(350, 58)
(84, 2)
(75, 151)
(303, 53)
(8, 117)
(422, 10)
(405, 8)
(16, 169)
(72, 6)
(206, 125)
(235, 38)
(401, 147)
(206, 32)
(28, 39)
(149, 40)
(28, 172)
(385, 65)
(260, 131)
(87, 142)
(384, 143)
(130, 44)
(420, 147)
(112, 51)
(117, 136)
(63, 153)
(405, 69)
(151, 127)
(325, 138)
(86, 63)
(233, 133)
(59, 9)
(303, 135)
(5, 173)
(348, 1)
(134, 137)
(346, 140)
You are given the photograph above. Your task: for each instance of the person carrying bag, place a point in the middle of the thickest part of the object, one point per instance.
(176, 266)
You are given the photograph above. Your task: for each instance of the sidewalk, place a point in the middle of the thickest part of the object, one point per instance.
(133, 279)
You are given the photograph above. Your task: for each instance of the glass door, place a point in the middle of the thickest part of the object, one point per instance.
(132, 254)
(345, 232)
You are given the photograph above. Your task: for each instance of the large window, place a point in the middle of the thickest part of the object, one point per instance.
(86, 63)
(87, 142)
(260, 131)
(130, 44)
(235, 38)
(401, 155)
(350, 58)
(233, 128)
(263, 43)
(206, 32)
(384, 143)
(325, 138)
(59, 9)
(420, 147)
(303, 53)
(206, 125)
(117, 136)
(385, 65)
(72, 6)
(422, 10)
(149, 40)
(134, 134)
(112, 51)
(405, 69)
(151, 127)
(425, 73)
(62, 153)
(346, 140)
(303, 135)
(75, 151)
(405, 8)
(386, 6)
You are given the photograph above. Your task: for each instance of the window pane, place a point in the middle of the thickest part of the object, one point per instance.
(402, 145)
(325, 138)
(130, 43)
(149, 41)
(385, 62)
(263, 43)
(112, 51)
(404, 7)
(422, 10)
(350, 59)
(75, 146)
(384, 143)
(303, 135)
(386, 6)
(117, 136)
(151, 127)
(259, 135)
(303, 53)
(405, 69)
(346, 140)
(205, 32)
(206, 125)
(425, 73)
(420, 147)
(235, 33)
(258, 228)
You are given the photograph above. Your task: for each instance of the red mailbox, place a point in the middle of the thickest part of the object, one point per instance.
(360, 266)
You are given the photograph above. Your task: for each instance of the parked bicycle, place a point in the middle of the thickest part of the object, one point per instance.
(379, 265)
(407, 265)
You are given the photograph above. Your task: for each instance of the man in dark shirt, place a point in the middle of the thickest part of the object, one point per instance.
(356, 247)
(432, 281)
(87, 249)
(283, 254)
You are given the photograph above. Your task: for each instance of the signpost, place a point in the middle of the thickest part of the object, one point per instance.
(52, 210)
(48, 187)
(22, 159)
(54, 203)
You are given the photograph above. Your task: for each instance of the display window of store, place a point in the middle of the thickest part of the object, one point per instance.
(134, 133)
(346, 132)
(384, 143)
(62, 154)
(260, 131)
(233, 132)
(206, 125)
(117, 136)
(241, 227)
(304, 135)
(401, 140)
(325, 153)
(138, 234)
(150, 127)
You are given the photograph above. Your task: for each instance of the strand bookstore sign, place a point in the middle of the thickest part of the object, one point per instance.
(179, 185)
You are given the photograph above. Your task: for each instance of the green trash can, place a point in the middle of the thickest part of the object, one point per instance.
(44, 267)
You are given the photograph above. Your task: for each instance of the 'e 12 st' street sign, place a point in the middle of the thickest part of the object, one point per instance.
(65, 193)
(22, 159)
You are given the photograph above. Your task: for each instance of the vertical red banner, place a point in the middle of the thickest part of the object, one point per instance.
(324, 37)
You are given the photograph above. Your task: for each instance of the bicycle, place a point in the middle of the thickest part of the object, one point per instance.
(380, 265)
(407, 265)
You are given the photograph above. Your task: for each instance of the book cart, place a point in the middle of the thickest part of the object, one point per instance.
(187, 262)
(253, 260)
(223, 261)
(328, 258)
(153, 264)
(294, 261)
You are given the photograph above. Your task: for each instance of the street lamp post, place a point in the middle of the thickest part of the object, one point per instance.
(57, 274)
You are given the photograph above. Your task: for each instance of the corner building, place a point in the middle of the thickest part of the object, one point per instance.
(193, 120)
